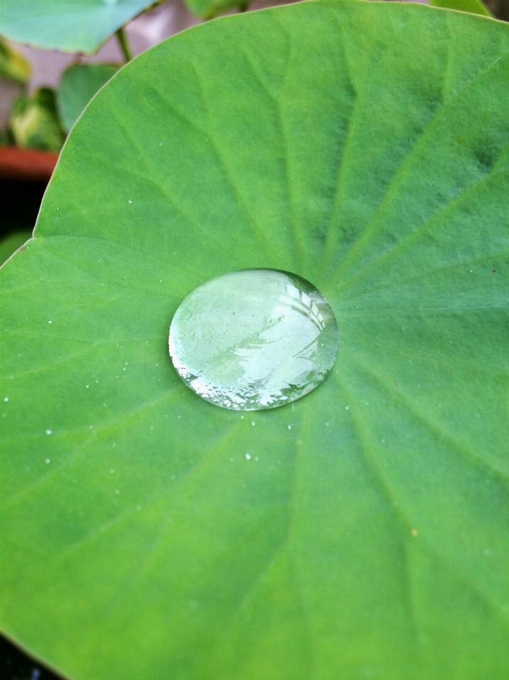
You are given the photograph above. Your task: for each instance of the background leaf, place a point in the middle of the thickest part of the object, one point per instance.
(78, 85)
(207, 9)
(67, 25)
(13, 65)
(367, 533)
(11, 243)
(473, 6)
(34, 121)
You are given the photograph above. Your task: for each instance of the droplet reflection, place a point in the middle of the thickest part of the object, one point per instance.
(254, 339)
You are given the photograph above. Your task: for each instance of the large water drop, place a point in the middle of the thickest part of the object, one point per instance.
(254, 339)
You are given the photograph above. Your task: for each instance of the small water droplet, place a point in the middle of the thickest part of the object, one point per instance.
(47, 461)
(254, 339)
(129, 200)
(49, 431)
(6, 399)
(248, 456)
(288, 427)
(347, 408)
(50, 321)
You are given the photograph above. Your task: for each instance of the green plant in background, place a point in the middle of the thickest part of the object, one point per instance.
(361, 532)
(73, 26)
(67, 25)
(77, 26)
(34, 121)
(13, 65)
(473, 6)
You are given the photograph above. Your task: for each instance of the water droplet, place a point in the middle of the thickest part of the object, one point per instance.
(254, 339)
(288, 427)
(248, 456)
(49, 431)
(6, 399)
(47, 461)
(50, 321)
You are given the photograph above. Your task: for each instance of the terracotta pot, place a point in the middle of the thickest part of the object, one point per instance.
(26, 164)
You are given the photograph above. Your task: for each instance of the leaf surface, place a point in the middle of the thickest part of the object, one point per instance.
(366, 535)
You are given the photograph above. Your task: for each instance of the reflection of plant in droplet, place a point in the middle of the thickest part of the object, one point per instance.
(238, 339)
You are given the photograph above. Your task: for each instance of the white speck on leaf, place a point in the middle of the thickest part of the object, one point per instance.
(49, 431)
(248, 456)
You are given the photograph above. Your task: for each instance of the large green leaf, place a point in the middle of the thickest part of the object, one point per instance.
(68, 25)
(364, 147)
